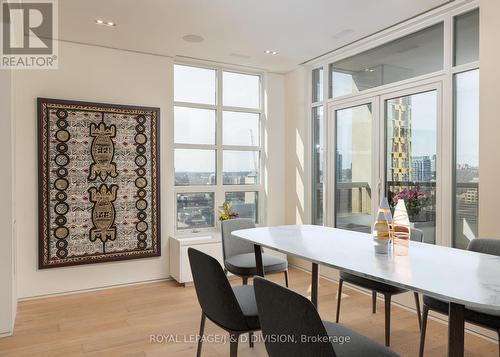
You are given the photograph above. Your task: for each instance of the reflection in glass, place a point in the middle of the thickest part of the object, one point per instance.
(241, 128)
(466, 38)
(353, 168)
(194, 167)
(241, 90)
(407, 57)
(401, 228)
(317, 165)
(194, 126)
(194, 84)
(317, 85)
(244, 203)
(381, 233)
(195, 210)
(411, 123)
(466, 185)
(240, 167)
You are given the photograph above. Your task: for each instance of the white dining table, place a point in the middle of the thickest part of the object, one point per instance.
(463, 278)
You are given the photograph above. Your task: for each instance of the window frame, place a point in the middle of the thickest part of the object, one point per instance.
(398, 36)
(219, 188)
(316, 164)
(454, 183)
(445, 14)
(449, 236)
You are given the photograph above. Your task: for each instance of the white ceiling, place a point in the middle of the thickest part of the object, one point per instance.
(235, 31)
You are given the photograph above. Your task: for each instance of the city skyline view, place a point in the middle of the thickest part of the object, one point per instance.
(411, 158)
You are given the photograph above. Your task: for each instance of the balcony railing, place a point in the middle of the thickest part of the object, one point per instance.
(355, 197)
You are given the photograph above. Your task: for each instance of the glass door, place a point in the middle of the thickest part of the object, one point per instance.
(411, 152)
(354, 162)
(386, 146)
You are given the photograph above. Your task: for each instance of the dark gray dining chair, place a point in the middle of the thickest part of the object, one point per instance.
(292, 327)
(385, 289)
(231, 308)
(239, 254)
(483, 317)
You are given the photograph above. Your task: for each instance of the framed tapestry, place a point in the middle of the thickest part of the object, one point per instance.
(99, 183)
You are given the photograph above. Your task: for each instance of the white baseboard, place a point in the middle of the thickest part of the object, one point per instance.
(5, 334)
(79, 291)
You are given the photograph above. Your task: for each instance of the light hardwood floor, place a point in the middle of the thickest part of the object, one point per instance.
(120, 322)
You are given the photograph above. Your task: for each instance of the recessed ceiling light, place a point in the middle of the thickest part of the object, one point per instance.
(193, 38)
(271, 52)
(105, 23)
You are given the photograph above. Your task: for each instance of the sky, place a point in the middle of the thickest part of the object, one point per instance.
(424, 121)
(198, 126)
(467, 117)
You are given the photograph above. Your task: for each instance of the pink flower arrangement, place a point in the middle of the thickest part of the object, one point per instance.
(415, 200)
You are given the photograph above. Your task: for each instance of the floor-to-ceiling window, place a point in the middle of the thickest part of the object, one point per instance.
(217, 144)
(420, 92)
(353, 168)
(466, 176)
(408, 147)
(411, 156)
(466, 125)
(317, 149)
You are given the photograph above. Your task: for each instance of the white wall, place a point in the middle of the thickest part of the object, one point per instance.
(489, 123)
(92, 74)
(7, 236)
(297, 166)
(96, 74)
(274, 148)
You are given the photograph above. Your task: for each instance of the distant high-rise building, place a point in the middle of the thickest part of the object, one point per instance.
(400, 112)
(338, 164)
(421, 169)
(433, 167)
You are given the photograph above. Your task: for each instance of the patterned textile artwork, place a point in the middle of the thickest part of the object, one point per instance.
(98, 182)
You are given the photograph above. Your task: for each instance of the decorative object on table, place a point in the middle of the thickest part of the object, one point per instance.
(415, 200)
(386, 208)
(226, 212)
(98, 182)
(381, 229)
(401, 229)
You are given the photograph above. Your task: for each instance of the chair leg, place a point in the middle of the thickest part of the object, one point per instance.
(200, 336)
(233, 345)
(417, 305)
(339, 297)
(374, 302)
(286, 278)
(423, 328)
(387, 298)
(250, 339)
(245, 280)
